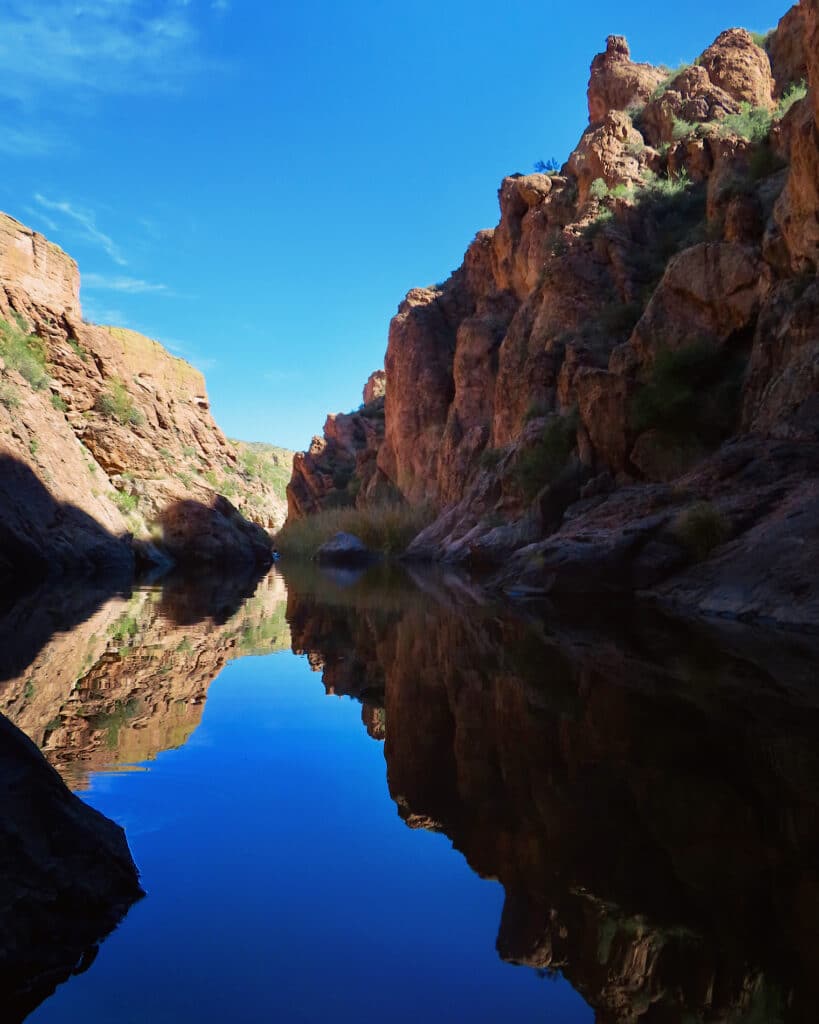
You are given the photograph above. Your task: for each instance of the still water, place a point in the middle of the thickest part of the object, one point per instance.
(385, 797)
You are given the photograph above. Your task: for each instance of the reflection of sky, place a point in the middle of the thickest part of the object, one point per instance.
(283, 886)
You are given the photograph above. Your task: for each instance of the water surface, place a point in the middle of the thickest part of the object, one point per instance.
(391, 798)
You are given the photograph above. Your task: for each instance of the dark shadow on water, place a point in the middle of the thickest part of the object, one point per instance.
(646, 793)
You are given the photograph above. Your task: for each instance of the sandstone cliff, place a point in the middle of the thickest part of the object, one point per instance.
(619, 385)
(103, 433)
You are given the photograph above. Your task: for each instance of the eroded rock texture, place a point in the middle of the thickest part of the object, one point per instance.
(632, 321)
(113, 429)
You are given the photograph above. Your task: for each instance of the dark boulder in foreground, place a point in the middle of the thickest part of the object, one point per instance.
(344, 549)
(66, 877)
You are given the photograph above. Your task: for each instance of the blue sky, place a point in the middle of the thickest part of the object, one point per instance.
(257, 184)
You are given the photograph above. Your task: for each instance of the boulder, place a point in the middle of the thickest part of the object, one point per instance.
(344, 549)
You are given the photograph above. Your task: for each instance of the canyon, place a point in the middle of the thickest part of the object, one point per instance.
(108, 450)
(618, 388)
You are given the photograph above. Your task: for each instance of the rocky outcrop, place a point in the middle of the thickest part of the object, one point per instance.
(739, 67)
(339, 469)
(66, 877)
(108, 421)
(617, 83)
(633, 321)
(376, 387)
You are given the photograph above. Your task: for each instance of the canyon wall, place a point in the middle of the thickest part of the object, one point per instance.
(619, 386)
(105, 434)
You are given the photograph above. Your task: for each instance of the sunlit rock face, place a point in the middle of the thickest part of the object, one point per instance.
(518, 387)
(646, 795)
(111, 426)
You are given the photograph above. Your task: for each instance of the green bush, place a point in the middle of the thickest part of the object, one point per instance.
(386, 528)
(692, 394)
(669, 78)
(681, 129)
(78, 349)
(116, 403)
(9, 396)
(490, 457)
(59, 403)
(23, 352)
(125, 502)
(761, 38)
(752, 123)
(539, 464)
(795, 92)
(701, 528)
(598, 190)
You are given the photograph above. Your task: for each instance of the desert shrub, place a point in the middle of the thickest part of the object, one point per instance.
(761, 38)
(669, 78)
(211, 478)
(59, 403)
(681, 129)
(598, 190)
(186, 479)
(23, 352)
(116, 403)
(537, 465)
(78, 349)
(622, 191)
(490, 457)
(9, 396)
(126, 502)
(795, 92)
(752, 123)
(692, 394)
(550, 166)
(387, 528)
(701, 528)
(536, 410)
(34, 446)
(189, 451)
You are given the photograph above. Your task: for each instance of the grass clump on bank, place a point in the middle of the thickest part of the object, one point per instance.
(23, 352)
(701, 528)
(387, 528)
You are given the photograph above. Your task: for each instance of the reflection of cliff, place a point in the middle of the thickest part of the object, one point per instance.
(649, 800)
(131, 681)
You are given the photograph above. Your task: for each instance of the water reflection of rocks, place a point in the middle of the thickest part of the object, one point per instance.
(131, 679)
(647, 796)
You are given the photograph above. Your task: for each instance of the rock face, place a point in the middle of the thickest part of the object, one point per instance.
(645, 794)
(339, 469)
(633, 321)
(108, 422)
(66, 877)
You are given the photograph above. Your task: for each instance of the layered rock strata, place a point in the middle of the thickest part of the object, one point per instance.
(105, 434)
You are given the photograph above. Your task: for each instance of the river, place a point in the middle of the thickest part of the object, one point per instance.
(391, 797)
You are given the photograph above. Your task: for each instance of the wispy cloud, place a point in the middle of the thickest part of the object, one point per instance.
(98, 45)
(86, 223)
(57, 56)
(125, 285)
